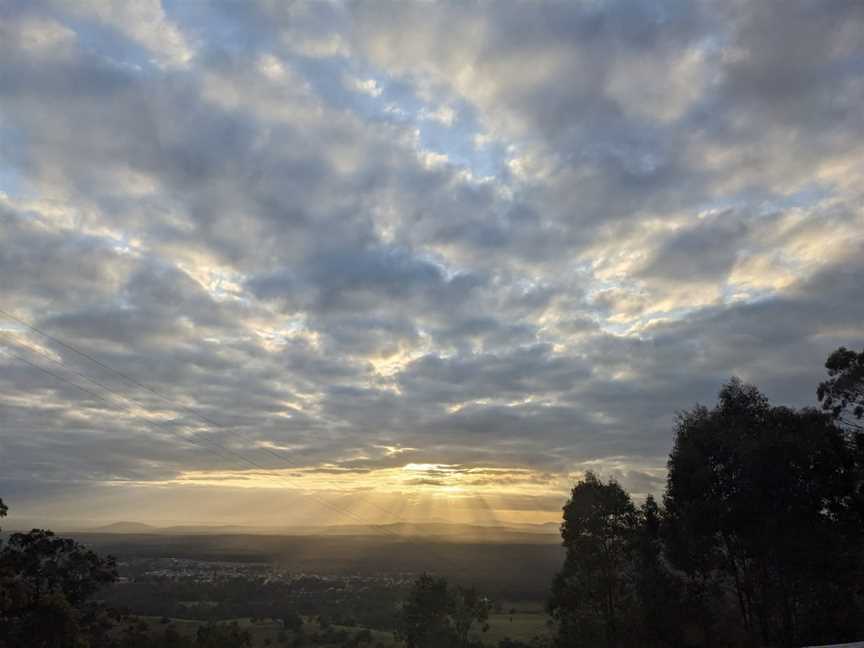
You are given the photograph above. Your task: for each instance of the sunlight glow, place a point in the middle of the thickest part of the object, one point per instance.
(414, 491)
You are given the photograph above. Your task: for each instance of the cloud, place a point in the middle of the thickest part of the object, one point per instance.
(278, 218)
(706, 251)
(144, 22)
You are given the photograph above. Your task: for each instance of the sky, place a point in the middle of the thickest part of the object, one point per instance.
(331, 263)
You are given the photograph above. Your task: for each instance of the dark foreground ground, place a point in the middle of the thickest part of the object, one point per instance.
(353, 583)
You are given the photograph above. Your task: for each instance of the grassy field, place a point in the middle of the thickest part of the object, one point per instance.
(266, 632)
(521, 625)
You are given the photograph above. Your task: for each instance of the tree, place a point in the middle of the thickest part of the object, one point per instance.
(659, 592)
(763, 496)
(3, 511)
(423, 621)
(292, 621)
(759, 541)
(591, 598)
(536, 642)
(45, 585)
(843, 393)
(466, 607)
(49, 564)
(136, 635)
(438, 615)
(222, 635)
(171, 638)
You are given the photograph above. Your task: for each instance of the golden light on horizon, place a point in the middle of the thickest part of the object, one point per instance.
(431, 477)
(413, 492)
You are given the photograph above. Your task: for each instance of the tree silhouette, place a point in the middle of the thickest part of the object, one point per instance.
(764, 496)
(47, 564)
(291, 620)
(590, 596)
(45, 584)
(422, 621)
(436, 615)
(843, 393)
(659, 593)
(363, 636)
(760, 540)
(466, 608)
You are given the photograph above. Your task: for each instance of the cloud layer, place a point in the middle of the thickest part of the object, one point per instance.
(427, 250)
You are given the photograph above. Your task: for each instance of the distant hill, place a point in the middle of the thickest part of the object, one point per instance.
(439, 530)
(192, 529)
(126, 527)
(436, 530)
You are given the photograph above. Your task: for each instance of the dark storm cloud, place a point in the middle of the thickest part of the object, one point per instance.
(369, 235)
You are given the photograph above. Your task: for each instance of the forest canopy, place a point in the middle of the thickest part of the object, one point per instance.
(759, 540)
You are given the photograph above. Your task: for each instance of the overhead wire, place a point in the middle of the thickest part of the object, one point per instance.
(155, 392)
(268, 472)
(207, 420)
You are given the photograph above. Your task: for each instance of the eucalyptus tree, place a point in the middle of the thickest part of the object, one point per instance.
(764, 497)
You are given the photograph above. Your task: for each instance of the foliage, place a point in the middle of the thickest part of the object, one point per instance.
(660, 595)
(222, 636)
(46, 564)
(466, 607)
(363, 636)
(760, 540)
(513, 643)
(45, 585)
(591, 598)
(615, 588)
(422, 621)
(843, 393)
(765, 496)
(438, 615)
(292, 621)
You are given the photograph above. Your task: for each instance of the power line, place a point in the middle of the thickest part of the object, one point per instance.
(215, 447)
(168, 399)
(98, 396)
(114, 371)
(162, 396)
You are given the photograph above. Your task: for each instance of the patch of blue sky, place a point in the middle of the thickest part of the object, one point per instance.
(386, 99)
(338, 81)
(108, 43)
(735, 294)
(11, 151)
(450, 128)
(762, 201)
(463, 142)
(806, 197)
(327, 78)
(637, 325)
(226, 27)
(10, 181)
